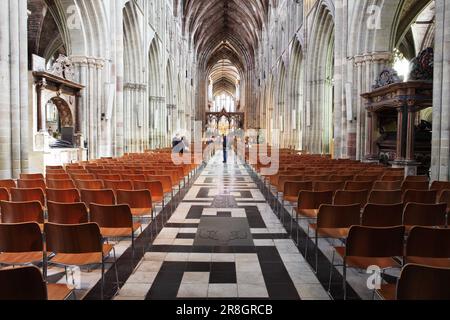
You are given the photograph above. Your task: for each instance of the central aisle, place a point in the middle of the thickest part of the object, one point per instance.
(223, 241)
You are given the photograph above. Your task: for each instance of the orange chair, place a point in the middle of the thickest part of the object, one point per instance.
(105, 197)
(309, 203)
(24, 195)
(31, 184)
(60, 184)
(358, 185)
(367, 177)
(118, 185)
(392, 178)
(419, 196)
(133, 177)
(4, 194)
(433, 284)
(414, 185)
(140, 202)
(425, 215)
(387, 185)
(115, 221)
(79, 245)
(63, 195)
(57, 176)
(366, 246)
(89, 184)
(328, 186)
(27, 284)
(155, 188)
(21, 244)
(22, 212)
(417, 179)
(32, 176)
(346, 198)
(333, 222)
(385, 197)
(428, 246)
(382, 215)
(67, 213)
(440, 186)
(445, 198)
(8, 184)
(83, 176)
(111, 177)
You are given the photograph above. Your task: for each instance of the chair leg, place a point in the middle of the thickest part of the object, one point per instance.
(306, 243)
(344, 279)
(317, 252)
(331, 271)
(115, 269)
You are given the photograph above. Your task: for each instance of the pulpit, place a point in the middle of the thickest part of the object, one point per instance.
(395, 131)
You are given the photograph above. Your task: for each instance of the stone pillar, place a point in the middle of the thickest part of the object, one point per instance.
(440, 165)
(367, 67)
(14, 88)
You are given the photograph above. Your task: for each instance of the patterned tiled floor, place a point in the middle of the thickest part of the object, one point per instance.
(223, 241)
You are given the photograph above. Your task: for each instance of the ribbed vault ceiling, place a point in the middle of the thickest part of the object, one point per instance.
(225, 30)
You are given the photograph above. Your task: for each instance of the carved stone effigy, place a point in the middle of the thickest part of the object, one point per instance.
(394, 132)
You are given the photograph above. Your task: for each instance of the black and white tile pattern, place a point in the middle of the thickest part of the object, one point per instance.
(223, 241)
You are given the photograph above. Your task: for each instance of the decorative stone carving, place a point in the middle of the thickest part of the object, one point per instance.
(422, 66)
(63, 68)
(387, 76)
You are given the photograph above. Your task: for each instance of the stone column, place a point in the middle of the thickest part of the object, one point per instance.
(440, 164)
(14, 139)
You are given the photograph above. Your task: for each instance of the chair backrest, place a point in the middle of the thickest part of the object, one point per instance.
(31, 184)
(57, 176)
(90, 184)
(111, 177)
(419, 196)
(118, 185)
(428, 242)
(67, 213)
(293, 188)
(392, 178)
(387, 185)
(137, 199)
(73, 239)
(165, 180)
(4, 194)
(328, 186)
(341, 178)
(331, 216)
(385, 197)
(8, 184)
(60, 184)
(382, 215)
(313, 199)
(54, 168)
(425, 215)
(423, 283)
(22, 284)
(316, 177)
(134, 177)
(358, 185)
(116, 216)
(20, 238)
(366, 177)
(343, 198)
(440, 186)
(105, 197)
(415, 185)
(26, 195)
(21, 212)
(83, 176)
(32, 176)
(417, 179)
(285, 178)
(63, 195)
(445, 198)
(375, 242)
(155, 187)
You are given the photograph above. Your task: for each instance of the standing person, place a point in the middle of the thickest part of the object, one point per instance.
(225, 146)
(175, 143)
